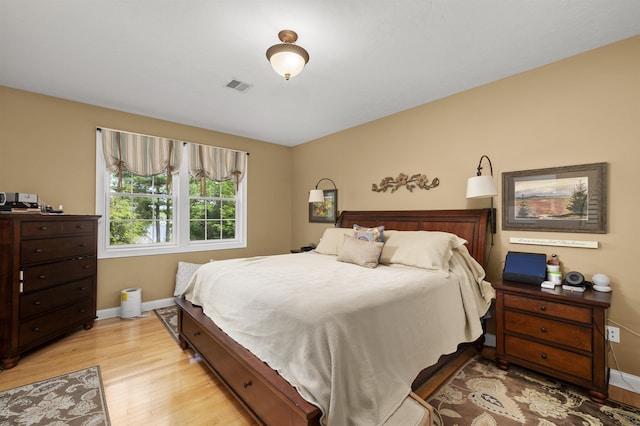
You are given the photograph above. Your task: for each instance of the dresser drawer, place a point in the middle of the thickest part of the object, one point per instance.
(51, 228)
(34, 251)
(251, 389)
(45, 300)
(50, 274)
(46, 326)
(565, 361)
(544, 307)
(574, 336)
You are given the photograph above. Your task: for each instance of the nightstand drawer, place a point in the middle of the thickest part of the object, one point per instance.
(545, 307)
(550, 357)
(575, 336)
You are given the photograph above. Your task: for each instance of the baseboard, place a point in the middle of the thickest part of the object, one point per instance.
(146, 306)
(624, 381)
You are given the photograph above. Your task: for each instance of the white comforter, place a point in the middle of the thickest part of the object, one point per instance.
(349, 339)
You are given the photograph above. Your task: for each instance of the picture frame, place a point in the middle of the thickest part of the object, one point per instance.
(327, 211)
(556, 199)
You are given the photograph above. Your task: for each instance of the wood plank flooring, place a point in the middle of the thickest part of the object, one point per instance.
(147, 378)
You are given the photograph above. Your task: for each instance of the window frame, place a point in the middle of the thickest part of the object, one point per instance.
(181, 243)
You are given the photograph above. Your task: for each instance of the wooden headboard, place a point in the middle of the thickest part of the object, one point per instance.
(472, 225)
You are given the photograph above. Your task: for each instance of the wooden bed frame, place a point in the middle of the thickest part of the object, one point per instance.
(268, 397)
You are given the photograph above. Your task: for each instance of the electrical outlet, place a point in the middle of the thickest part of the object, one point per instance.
(613, 334)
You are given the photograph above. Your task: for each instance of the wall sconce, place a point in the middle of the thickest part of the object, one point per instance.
(481, 186)
(317, 195)
(287, 58)
(323, 205)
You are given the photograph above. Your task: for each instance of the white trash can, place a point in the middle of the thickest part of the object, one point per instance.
(130, 303)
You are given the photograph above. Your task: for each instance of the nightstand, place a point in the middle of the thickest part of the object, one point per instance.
(555, 332)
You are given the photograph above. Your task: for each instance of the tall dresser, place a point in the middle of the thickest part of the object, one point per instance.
(48, 271)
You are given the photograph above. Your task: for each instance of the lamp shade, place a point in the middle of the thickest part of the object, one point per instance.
(316, 196)
(481, 187)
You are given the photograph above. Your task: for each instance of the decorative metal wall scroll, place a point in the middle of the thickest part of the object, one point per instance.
(419, 181)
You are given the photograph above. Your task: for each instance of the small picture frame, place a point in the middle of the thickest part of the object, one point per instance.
(327, 211)
(557, 199)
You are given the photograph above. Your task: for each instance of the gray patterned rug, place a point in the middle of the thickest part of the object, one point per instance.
(479, 393)
(71, 399)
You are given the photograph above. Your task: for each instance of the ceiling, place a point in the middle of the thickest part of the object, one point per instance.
(172, 59)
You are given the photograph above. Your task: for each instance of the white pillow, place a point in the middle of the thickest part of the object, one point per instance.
(360, 252)
(183, 276)
(332, 240)
(421, 249)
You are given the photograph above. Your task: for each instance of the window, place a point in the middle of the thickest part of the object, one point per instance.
(179, 207)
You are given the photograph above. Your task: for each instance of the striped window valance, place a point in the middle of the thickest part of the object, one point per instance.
(140, 154)
(217, 164)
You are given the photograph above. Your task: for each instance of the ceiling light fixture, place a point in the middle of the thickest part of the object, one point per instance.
(287, 58)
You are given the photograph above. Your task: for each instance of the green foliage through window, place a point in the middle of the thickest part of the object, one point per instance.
(140, 211)
(212, 212)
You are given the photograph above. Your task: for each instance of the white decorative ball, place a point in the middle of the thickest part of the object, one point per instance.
(600, 280)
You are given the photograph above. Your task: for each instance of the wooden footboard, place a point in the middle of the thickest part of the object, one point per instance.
(262, 391)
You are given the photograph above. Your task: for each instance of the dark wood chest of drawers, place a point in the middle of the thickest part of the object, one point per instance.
(48, 271)
(555, 332)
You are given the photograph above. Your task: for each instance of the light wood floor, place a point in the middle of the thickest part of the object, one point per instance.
(148, 379)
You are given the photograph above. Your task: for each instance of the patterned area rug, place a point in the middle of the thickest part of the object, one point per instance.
(169, 317)
(481, 394)
(72, 399)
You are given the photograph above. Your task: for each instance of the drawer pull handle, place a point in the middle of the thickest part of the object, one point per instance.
(246, 384)
(543, 356)
(83, 245)
(36, 329)
(42, 277)
(38, 250)
(86, 266)
(543, 308)
(82, 311)
(196, 333)
(543, 329)
(83, 288)
(37, 303)
(80, 226)
(43, 228)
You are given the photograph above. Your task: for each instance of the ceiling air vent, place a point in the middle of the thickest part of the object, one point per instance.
(239, 86)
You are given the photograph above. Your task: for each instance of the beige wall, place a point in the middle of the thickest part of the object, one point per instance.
(584, 109)
(39, 133)
(580, 110)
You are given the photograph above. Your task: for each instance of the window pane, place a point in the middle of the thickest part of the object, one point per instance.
(121, 207)
(213, 230)
(197, 209)
(196, 230)
(228, 210)
(143, 208)
(213, 212)
(228, 189)
(228, 229)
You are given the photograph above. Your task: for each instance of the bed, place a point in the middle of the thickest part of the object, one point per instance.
(260, 386)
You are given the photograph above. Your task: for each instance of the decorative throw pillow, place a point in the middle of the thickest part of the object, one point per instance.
(421, 249)
(360, 252)
(183, 276)
(332, 240)
(368, 234)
